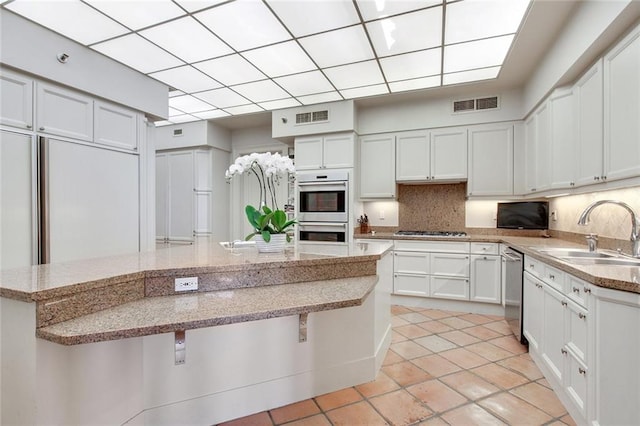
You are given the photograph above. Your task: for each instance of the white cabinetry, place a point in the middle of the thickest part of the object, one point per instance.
(115, 126)
(622, 109)
(589, 116)
(63, 112)
(324, 152)
(485, 273)
(377, 166)
(538, 141)
(490, 160)
(16, 102)
(562, 158)
(435, 155)
(183, 195)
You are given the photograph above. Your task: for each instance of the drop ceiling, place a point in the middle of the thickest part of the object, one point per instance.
(231, 58)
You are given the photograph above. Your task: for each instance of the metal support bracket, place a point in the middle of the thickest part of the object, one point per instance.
(302, 328)
(181, 347)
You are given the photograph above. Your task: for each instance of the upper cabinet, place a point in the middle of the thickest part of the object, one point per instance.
(589, 127)
(537, 145)
(436, 155)
(562, 136)
(491, 160)
(377, 166)
(324, 152)
(116, 126)
(16, 102)
(622, 109)
(64, 112)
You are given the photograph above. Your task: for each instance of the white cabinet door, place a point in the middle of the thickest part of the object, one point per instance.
(589, 116)
(485, 279)
(553, 333)
(533, 311)
(447, 287)
(412, 156)
(162, 197)
(538, 133)
(377, 167)
(64, 112)
(17, 198)
(181, 189)
(576, 377)
(449, 154)
(530, 132)
(338, 151)
(563, 147)
(16, 102)
(411, 262)
(411, 285)
(454, 265)
(622, 109)
(115, 126)
(490, 160)
(308, 153)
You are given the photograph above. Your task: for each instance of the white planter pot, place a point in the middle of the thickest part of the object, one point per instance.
(276, 245)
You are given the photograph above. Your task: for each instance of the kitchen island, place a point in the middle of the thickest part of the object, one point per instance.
(110, 340)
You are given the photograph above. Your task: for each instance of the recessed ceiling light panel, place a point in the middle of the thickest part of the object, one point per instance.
(361, 92)
(355, 75)
(230, 70)
(472, 20)
(196, 5)
(215, 113)
(406, 33)
(280, 59)
(338, 47)
(384, 8)
(261, 91)
(412, 65)
(245, 109)
(223, 98)
(187, 79)
(476, 54)
(137, 14)
(415, 84)
(307, 83)
(471, 75)
(320, 98)
(279, 104)
(310, 17)
(188, 104)
(138, 53)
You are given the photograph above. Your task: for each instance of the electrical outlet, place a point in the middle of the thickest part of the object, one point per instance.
(554, 216)
(186, 284)
(381, 215)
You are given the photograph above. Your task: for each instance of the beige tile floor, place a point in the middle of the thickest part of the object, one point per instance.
(443, 368)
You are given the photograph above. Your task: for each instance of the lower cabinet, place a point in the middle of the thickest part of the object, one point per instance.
(485, 279)
(585, 340)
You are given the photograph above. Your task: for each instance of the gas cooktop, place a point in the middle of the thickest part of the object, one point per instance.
(431, 233)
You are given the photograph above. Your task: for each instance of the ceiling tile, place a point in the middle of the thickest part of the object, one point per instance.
(307, 83)
(380, 9)
(173, 93)
(187, 79)
(89, 26)
(338, 47)
(187, 39)
(245, 109)
(138, 53)
(360, 92)
(261, 91)
(188, 104)
(280, 59)
(184, 118)
(405, 33)
(230, 70)
(196, 5)
(415, 84)
(244, 24)
(470, 20)
(412, 65)
(310, 17)
(222, 98)
(137, 14)
(279, 104)
(476, 54)
(355, 75)
(320, 98)
(173, 112)
(469, 76)
(215, 113)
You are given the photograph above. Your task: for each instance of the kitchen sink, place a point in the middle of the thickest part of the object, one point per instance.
(620, 261)
(581, 253)
(237, 244)
(586, 257)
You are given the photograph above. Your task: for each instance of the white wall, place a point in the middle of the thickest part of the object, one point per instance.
(341, 119)
(33, 49)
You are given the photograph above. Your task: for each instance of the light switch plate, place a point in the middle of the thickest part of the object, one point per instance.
(186, 284)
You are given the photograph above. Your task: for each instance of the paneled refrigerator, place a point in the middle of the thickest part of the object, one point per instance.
(63, 200)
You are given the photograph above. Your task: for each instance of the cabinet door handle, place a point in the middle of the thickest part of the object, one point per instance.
(587, 290)
(563, 303)
(552, 277)
(41, 128)
(582, 371)
(563, 351)
(29, 126)
(576, 290)
(581, 315)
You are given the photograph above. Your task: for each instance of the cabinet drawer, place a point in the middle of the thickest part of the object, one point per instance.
(576, 330)
(411, 285)
(534, 266)
(455, 265)
(554, 277)
(577, 290)
(449, 288)
(576, 378)
(411, 262)
(485, 248)
(437, 246)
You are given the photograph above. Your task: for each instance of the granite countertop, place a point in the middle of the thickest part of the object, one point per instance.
(623, 278)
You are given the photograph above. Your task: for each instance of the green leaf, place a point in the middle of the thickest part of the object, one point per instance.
(266, 209)
(251, 211)
(250, 236)
(279, 219)
(266, 236)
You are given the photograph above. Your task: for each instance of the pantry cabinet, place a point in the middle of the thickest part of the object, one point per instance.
(63, 112)
(490, 160)
(16, 102)
(377, 167)
(622, 109)
(324, 151)
(433, 155)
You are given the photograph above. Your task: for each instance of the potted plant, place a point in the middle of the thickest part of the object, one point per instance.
(269, 222)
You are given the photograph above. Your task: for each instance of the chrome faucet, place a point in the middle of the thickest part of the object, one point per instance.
(635, 222)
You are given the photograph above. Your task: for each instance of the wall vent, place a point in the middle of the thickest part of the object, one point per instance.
(177, 132)
(312, 117)
(478, 104)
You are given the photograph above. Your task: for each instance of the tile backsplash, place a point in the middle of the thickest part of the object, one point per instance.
(432, 207)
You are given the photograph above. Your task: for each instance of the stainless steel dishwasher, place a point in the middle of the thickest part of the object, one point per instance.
(512, 269)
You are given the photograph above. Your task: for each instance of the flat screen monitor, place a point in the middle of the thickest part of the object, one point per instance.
(523, 215)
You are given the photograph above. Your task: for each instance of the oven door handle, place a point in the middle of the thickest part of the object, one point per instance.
(329, 184)
(324, 225)
(510, 257)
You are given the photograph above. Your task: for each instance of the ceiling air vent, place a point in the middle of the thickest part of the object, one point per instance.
(478, 104)
(177, 132)
(312, 117)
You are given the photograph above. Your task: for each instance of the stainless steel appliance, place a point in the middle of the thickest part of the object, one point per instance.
(512, 270)
(322, 232)
(323, 197)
